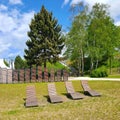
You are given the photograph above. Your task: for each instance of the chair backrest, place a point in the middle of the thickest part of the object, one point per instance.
(85, 85)
(51, 89)
(69, 87)
(30, 90)
(31, 99)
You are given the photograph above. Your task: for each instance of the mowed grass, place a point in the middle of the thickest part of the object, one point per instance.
(114, 76)
(106, 107)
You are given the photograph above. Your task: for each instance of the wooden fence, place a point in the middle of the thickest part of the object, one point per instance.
(32, 75)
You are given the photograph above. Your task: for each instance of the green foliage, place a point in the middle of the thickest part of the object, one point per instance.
(20, 63)
(56, 66)
(46, 40)
(94, 35)
(76, 38)
(115, 60)
(6, 63)
(99, 72)
(101, 34)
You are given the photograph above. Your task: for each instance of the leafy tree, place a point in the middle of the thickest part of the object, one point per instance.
(46, 41)
(117, 61)
(92, 35)
(117, 36)
(101, 34)
(76, 38)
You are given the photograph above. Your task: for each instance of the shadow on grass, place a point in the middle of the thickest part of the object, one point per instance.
(48, 98)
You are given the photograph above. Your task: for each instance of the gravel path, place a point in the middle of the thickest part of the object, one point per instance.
(88, 78)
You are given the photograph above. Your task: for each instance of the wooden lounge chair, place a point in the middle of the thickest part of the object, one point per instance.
(54, 98)
(31, 99)
(71, 91)
(88, 90)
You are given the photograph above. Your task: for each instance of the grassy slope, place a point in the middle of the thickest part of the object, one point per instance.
(106, 107)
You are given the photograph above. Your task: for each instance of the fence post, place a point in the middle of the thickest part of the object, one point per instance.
(59, 78)
(65, 75)
(45, 75)
(0, 75)
(9, 75)
(52, 75)
(40, 74)
(4, 75)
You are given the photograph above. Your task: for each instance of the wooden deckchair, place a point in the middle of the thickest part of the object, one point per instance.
(54, 98)
(71, 91)
(31, 99)
(88, 90)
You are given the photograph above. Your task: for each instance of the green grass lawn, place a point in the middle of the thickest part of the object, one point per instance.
(106, 107)
(114, 76)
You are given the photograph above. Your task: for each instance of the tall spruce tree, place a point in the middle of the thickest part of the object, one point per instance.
(46, 41)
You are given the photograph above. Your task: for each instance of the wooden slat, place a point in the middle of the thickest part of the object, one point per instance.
(88, 90)
(45, 75)
(59, 78)
(39, 74)
(69, 87)
(65, 75)
(52, 76)
(21, 75)
(54, 98)
(31, 99)
(9, 75)
(15, 76)
(27, 75)
(33, 75)
(71, 91)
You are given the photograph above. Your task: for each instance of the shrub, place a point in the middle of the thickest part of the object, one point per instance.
(99, 72)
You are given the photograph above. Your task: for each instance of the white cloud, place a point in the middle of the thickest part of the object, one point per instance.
(13, 32)
(65, 2)
(15, 1)
(75, 1)
(4, 46)
(90, 2)
(117, 23)
(5, 21)
(3, 7)
(114, 6)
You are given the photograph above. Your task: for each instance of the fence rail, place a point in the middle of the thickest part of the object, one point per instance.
(32, 75)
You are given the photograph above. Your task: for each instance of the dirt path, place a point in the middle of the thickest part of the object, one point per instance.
(88, 78)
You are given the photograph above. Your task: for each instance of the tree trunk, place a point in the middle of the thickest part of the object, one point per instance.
(96, 64)
(45, 63)
(82, 63)
(110, 65)
(45, 58)
(79, 66)
(92, 64)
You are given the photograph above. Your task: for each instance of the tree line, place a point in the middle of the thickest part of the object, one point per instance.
(93, 39)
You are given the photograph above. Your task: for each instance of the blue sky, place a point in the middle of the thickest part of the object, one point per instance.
(15, 17)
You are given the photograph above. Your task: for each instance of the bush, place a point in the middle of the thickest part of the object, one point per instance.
(56, 66)
(99, 72)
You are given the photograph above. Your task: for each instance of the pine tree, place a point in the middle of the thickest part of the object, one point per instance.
(19, 62)
(46, 41)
